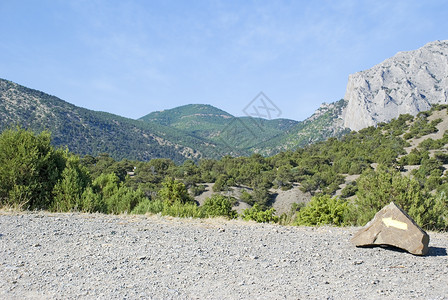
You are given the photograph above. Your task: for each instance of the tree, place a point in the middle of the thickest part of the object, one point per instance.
(114, 197)
(174, 191)
(69, 189)
(377, 189)
(30, 167)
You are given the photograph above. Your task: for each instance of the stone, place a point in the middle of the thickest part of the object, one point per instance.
(392, 226)
(406, 83)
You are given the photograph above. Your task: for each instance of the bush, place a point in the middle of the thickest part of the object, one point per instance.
(431, 144)
(246, 197)
(323, 210)
(349, 190)
(182, 210)
(92, 201)
(68, 191)
(378, 189)
(174, 191)
(124, 200)
(149, 206)
(165, 208)
(29, 169)
(255, 213)
(218, 205)
(196, 190)
(437, 215)
(109, 195)
(222, 183)
(413, 158)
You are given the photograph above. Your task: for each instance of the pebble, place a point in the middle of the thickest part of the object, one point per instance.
(91, 256)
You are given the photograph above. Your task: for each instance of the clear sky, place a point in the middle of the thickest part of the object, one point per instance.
(134, 57)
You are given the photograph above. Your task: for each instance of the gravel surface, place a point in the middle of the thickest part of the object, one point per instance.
(93, 256)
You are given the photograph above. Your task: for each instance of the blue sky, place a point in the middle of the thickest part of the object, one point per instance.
(134, 57)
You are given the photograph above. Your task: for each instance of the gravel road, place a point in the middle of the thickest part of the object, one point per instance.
(93, 256)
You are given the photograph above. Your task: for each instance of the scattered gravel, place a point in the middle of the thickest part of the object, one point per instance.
(93, 256)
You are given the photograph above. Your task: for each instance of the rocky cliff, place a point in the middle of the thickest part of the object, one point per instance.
(406, 83)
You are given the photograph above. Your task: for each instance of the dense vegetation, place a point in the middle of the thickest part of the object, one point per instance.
(35, 175)
(187, 132)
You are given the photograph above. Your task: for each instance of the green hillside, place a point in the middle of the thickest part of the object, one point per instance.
(235, 135)
(326, 122)
(89, 132)
(188, 132)
(346, 180)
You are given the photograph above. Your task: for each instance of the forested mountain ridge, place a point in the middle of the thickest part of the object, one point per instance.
(237, 135)
(188, 132)
(326, 122)
(409, 82)
(90, 132)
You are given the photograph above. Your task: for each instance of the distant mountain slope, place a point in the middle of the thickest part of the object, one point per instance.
(88, 132)
(197, 119)
(188, 132)
(326, 122)
(406, 83)
(188, 114)
(235, 135)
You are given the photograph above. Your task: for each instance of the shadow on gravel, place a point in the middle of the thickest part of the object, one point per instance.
(386, 247)
(436, 251)
(432, 251)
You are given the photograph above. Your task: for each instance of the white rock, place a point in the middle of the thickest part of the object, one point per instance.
(406, 83)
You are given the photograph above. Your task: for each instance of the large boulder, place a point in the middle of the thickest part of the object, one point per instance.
(392, 226)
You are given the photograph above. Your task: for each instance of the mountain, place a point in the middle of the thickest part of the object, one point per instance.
(89, 132)
(187, 132)
(406, 83)
(235, 135)
(192, 131)
(326, 122)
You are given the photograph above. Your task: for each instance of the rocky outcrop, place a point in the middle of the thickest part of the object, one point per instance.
(406, 83)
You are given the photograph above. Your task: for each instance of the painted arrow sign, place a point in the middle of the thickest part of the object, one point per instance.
(389, 222)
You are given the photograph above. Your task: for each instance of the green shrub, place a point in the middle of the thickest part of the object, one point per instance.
(349, 190)
(414, 158)
(218, 205)
(378, 189)
(149, 206)
(92, 201)
(196, 190)
(323, 210)
(30, 167)
(109, 195)
(255, 213)
(261, 196)
(246, 197)
(442, 157)
(174, 191)
(182, 210)
(124, 200)
(431, 144)
(165, 208)
(437, 215)
(68, 191)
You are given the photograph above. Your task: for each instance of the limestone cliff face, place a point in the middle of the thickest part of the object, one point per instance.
(408, 82)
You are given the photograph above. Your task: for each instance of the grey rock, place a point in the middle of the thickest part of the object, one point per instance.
(392, 226)
(406, 83)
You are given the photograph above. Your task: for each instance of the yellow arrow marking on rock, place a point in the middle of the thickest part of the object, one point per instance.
(389, 222)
